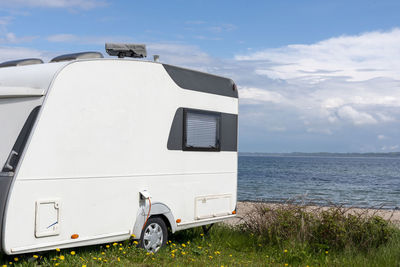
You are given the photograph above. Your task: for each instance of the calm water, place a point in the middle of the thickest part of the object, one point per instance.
(362, 182)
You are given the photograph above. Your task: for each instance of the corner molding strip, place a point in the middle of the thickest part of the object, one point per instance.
(16, 92)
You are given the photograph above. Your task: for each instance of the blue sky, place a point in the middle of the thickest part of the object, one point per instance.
(313, 75)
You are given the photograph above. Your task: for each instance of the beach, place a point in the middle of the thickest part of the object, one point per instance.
(245, 208)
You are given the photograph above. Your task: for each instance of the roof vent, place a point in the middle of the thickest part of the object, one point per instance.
(126, 50)
(75, 56)
(21, 62)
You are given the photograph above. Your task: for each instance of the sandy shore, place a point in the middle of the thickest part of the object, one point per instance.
(244, 208)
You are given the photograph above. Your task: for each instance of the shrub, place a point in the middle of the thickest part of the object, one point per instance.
(320, 228)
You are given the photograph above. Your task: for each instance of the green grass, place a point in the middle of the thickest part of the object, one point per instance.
(224, 246)
(281, 235)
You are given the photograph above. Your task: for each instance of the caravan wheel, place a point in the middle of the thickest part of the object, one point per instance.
(154, 235)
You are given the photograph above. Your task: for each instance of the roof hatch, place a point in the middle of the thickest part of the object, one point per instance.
(75, 56)
(21, 62)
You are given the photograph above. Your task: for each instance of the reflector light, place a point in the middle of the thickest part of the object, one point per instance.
(74, 236)
(178, 220)
(234, 212)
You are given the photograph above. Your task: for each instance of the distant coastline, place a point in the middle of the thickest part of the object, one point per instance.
(321, 154)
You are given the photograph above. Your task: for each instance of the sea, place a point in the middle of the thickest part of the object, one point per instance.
(356, 181)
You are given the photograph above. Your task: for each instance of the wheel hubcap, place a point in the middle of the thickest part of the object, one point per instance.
(153, 237)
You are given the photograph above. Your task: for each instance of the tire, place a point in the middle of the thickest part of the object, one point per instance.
(154, 235)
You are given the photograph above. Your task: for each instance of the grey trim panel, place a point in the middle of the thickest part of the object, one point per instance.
(228, 131)
(202, 82)
(5, 183)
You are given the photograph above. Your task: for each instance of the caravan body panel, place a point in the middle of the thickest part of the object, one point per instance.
(100, 138)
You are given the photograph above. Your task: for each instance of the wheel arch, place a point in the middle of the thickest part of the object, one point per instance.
(158, 209)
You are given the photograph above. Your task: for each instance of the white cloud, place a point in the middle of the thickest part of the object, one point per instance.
(83, 4)
(381, 137)
(12, 53)
(259, 95)
(355, 58)
(357, 117)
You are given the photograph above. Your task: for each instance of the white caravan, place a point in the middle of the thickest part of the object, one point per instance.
(94, 150)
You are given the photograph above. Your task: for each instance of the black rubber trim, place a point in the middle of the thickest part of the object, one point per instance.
(228, 134)
(6, 178)
(202, 82)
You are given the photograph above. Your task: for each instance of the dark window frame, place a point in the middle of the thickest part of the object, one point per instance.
(218, 136)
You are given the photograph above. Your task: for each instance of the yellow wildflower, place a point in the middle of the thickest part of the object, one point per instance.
(83, 265)
(230, 255)
(62, 257)
(72, 253)
(99, 259)
(326, 252)
(94, 258)
(132, 235)
(121, 249)
(201, 234)
(135, 242)
(115, 244)
(57, 249)
(286, 264)
(124, 252)
(148, 253)
(108, 246)
(35, 256)
(105, 260)
(210, 257)
(183, 245)
(120, 245)
(103, 253)
(4, 265)
(285, 251)
(199, 247)
(118, 259)
(188, 242)
(15, 259)
(183, 253)
(172, 255)
(57, 264)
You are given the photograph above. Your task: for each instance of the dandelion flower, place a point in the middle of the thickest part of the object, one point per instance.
(118, 259)
(201, 234)
(120, 245)
(199, 247)
(35, 256)
(121, 249)
(83, 265)
(57, 249)
(94, 258)
(285, 251)
(183, 253)
(230, 255)
(286, 264)
(72, 253)
(108, 246)
(4, 265)
(103, 253)
(57, 264)
(183, 245)
(148, 253)
(326, 252)
(115, 244)
(132, 235)
(210, 257)
(15, 259)
(99, 259)
(62, 257)
(124, 252)
(135, 242)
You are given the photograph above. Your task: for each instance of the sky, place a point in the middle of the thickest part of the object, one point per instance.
(313, 76)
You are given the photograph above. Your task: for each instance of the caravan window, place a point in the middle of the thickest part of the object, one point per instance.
(201, 130)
